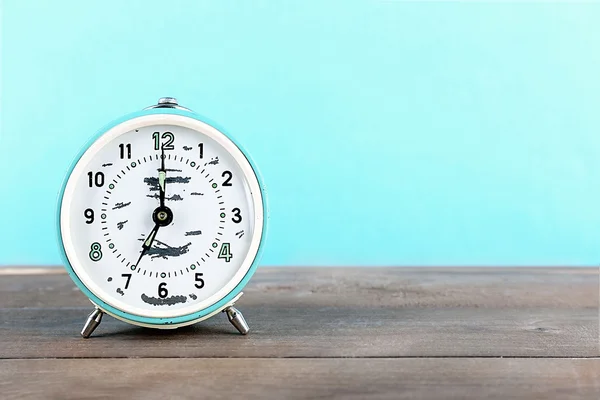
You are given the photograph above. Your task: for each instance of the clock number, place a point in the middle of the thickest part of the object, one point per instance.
(225, 252)
(95, 251)
(201, 145)
(162, 290)
(122, 148)
(89, 214)
(229, 175)
(97, 179)
(128, 276)
(237, 217)
(168, 145)
(200, 281)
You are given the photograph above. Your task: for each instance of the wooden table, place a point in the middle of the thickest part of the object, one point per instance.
(347, 333)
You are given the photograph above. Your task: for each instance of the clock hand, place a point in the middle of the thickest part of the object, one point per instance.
(148, 242)
(162, 216)
(162, 178)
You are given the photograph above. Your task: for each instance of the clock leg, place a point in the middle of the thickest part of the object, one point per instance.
(92, 323)
(237, 319)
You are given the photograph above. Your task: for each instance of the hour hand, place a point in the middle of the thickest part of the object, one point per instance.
(148, 242)
(162, 178)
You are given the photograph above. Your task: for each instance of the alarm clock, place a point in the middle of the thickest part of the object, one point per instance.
(162, 220)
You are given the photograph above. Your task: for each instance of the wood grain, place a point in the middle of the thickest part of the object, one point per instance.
(379, 333)
(361, 287)
(339, 312)
(250, 378)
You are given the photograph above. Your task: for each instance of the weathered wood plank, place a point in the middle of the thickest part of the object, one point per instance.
(362, 287)
(312, 332)
(334, 312)
(301, 378)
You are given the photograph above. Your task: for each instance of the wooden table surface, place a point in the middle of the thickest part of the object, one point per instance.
(347, 333)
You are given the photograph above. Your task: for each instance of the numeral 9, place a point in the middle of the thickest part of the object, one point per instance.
(89, 214)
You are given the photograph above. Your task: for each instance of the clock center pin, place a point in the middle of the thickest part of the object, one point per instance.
(162, 216)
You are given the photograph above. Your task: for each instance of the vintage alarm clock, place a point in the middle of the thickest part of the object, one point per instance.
(162, 219)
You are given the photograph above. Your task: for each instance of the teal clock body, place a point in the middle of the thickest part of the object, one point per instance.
(162, 220)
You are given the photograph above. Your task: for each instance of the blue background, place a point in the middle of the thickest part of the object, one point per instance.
(387, 133)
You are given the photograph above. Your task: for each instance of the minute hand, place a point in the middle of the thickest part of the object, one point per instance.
(162, 179)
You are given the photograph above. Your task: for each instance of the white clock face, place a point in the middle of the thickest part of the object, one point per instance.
(162, 260)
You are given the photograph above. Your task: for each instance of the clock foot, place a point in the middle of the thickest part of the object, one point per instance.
(237, 319)
(92, 323)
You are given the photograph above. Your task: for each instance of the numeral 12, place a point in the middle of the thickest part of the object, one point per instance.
(168, 145)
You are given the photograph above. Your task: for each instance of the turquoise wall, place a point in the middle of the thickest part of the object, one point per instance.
(387, 132)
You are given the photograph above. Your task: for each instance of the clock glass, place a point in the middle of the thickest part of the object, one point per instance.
(161, 216)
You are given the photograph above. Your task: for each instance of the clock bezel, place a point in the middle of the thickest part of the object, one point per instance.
(197, 314)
